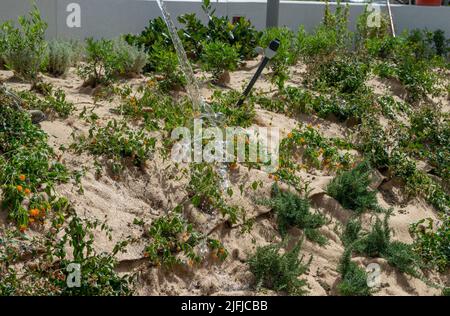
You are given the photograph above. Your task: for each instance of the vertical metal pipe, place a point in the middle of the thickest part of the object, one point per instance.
(272, 14)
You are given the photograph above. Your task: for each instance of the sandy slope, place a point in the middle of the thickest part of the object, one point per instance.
(149, 195)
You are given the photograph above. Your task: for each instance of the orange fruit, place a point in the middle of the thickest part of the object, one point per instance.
(22, 177)
(34, 212)
(27, 191)
(290, 135)
(19, 188)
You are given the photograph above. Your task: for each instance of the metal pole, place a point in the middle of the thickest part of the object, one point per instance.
(273, 10)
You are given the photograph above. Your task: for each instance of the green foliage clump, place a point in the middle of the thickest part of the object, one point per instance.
(24, 48)
(286, 54)
(431, 243)
(174, 240)
(240, 34)
(278, 272)
(353, 278)
(117, 143)
(69, 243)
(165, 62)
(218, 58)
(53, 104)
(346, 75)
(292, 210)
(225, 103)
(28, 166)
(60, 57)
(350, 188)
(204, 192)
(158, 110)
(106, 60)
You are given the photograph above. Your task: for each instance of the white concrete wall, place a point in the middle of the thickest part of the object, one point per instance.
(110, 18)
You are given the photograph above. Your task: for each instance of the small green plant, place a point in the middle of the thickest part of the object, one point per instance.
(219, 58)
(117, 143)
(352, 232)
(292, 210)
(350, 188)
(377, 243)
(174, 242)
(204, 192)
(29, 169)
(132, 58)
(60, 57)
(353, 278)
(285, 57)
(278, 272)
(165, 62)
(25, 47)
(431, 243)
(106, 60)
(54, 104)
(225, 103)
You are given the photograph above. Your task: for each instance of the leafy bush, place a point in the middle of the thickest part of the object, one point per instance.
(25, 47)
(350, 188)
(106, 60)
(218, 58)
(118, 144)
(132, 58)
(315, 150)
(377, 243)
(225, 103)
(60, 57)
(292, 210)
(70, 241)
(53, 104)
(155, 32)
(240, 34)
(174, 241)
(353, 278)
(165, 62)
(344, 74)
(158, 110)
(431, 243)
(28, 167)
(204, 192)
(277, 271)
(286, 54)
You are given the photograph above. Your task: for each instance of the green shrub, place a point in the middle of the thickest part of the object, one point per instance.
(28, 165)
(352, 232)
(54, 104)
(25, 46)
(278, 272)
(107, 60)
(286, 54)
(292, 210)
(225, 103)
(240, 34)
(218, 58)
(431, 243)
(173, 236)
(165, 62)
(347, 75)
(377, 243)
(205, 194)
(132, 58)
(350, 188)
(118, 144)
(353, 278)
(59, 57)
